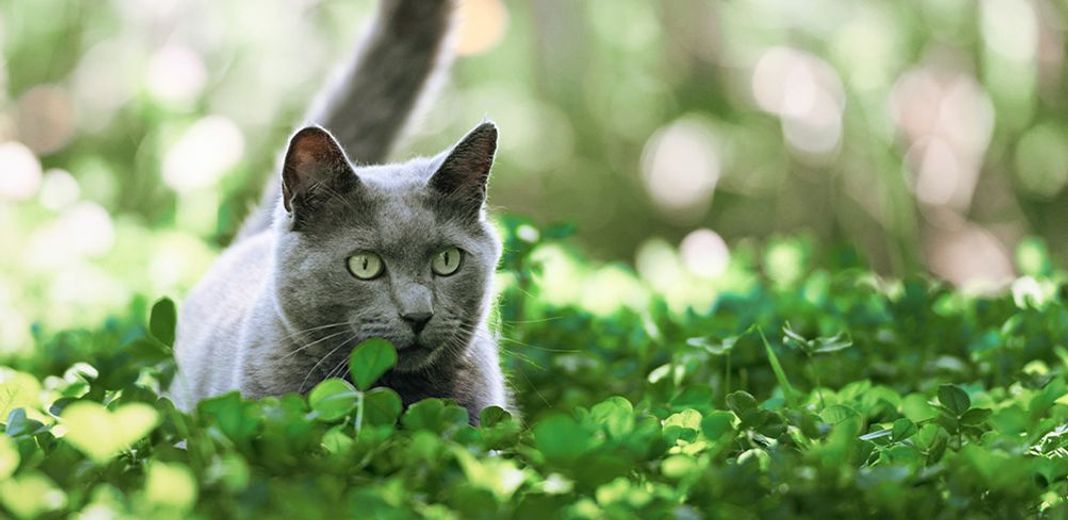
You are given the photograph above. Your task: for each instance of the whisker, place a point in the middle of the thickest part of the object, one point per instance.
(312, 329)
(540, 320)
(472, 329)
(305, 347)
(324, 358)
(533, 387)
(519, 356)
(545, 349)
(339, 369)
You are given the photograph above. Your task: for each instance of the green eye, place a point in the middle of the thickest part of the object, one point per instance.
(447, 261)
(365, 265)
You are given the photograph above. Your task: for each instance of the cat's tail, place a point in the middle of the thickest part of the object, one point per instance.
(369, 101)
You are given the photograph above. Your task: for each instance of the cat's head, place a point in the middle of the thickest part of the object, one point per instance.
(398, 251)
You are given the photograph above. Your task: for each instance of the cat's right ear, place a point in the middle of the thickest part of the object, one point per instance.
(314, 169)
(465, 170)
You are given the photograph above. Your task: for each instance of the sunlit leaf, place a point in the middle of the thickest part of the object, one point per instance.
(171, 485)
(714, 346)
(101, 433)
(332, 399)
(9, 457)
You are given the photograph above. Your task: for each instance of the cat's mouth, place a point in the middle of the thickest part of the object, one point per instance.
(412, 356)
(409, 347)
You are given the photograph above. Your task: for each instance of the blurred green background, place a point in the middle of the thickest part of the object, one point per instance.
(678, 136)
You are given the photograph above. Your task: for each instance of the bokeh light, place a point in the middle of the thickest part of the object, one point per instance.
(1010, 28)
(659, 265)
(1042, 160)
(83, 230)
(705, 253)
(20, 171)
(806, 93)
(968, 256)
(204, 152)
(45, 118)
(103, 81)
(176, 74)
(680, 168)
(482, 26)
(58, 189)
(947, 119)
(676, 137)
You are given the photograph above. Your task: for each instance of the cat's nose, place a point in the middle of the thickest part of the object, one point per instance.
(417, 320)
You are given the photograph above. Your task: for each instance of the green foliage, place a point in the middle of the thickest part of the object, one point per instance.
(785, 391)
(370, 360)
(836, 395)
(101, 433)
(333, 399)
(162, 320)
(954, 399)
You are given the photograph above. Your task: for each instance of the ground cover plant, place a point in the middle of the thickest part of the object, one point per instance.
(812, 389)
(701, 367)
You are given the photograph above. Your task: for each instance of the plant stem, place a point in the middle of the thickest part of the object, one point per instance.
(816, 376)
(727, 377)
(359, 412)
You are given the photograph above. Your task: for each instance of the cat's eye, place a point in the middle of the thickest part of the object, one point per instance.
(447, 261)
(365, 265)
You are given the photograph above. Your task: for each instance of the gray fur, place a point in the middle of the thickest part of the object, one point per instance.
(370, 99)
(279, 311)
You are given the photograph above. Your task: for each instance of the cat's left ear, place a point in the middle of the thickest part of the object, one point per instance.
(464, 172)
(314, 166)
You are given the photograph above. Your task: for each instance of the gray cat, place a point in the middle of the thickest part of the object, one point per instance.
(340, 253)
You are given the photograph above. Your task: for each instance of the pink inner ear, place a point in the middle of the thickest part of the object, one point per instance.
(312, 148)
(304, 160)
(312, 154)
